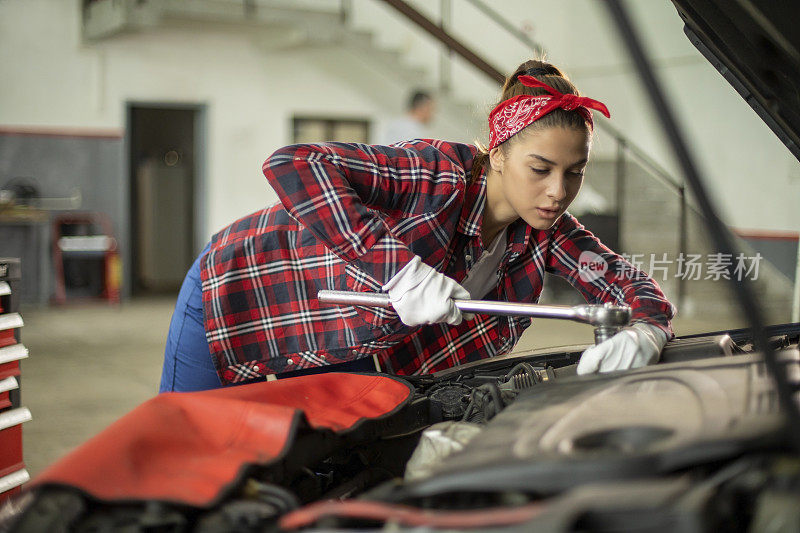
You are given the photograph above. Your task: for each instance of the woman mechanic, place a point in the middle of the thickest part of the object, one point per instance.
(426, 221)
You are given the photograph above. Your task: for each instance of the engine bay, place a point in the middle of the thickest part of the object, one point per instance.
(514, 442)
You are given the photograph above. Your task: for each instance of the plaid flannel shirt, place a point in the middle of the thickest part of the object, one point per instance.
(350, 217)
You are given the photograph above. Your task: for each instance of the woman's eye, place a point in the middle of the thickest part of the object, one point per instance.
(541, 170)
(577, 173)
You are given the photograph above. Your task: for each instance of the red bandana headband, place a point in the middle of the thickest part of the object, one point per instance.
(514, 114)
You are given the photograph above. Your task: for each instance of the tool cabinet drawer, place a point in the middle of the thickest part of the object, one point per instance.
(12, 483)
(10, 357)
(6, 386)
(11, 439)
(5, 297)
(10, 324)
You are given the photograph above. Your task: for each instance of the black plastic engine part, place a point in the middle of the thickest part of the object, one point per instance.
(642, 423)
(450, 400)
(699, 348)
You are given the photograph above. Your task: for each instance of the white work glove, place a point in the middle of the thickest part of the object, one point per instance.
(421, 295)
(632, 347)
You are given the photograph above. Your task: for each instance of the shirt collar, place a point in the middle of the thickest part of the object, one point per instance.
(519, 236)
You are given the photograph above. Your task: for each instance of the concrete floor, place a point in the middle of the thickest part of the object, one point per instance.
(88, 365)
(91, 364)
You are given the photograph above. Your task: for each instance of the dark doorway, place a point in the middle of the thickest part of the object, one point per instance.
(163, 190)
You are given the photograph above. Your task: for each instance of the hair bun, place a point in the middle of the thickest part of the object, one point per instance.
(539, 71)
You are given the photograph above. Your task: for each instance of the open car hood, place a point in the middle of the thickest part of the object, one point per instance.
(755, 45)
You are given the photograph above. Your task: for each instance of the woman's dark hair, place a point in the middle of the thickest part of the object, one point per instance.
(552, 76)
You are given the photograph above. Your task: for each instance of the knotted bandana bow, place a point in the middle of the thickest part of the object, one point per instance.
(512, 115)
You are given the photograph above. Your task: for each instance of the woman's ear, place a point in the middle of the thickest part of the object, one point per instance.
(496, 159)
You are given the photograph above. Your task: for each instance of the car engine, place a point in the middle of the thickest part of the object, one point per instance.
(697, 441)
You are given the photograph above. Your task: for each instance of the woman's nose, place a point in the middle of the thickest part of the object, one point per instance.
(556, 188)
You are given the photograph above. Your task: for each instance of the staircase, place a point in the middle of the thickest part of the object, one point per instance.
(311, 25)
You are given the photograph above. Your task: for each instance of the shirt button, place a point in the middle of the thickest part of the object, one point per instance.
(290, 361)
(322, 356)
(256, 368)
(468, 257)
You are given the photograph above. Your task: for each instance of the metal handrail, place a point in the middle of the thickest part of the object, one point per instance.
(501, 21)
(419, 18)
(657, 170)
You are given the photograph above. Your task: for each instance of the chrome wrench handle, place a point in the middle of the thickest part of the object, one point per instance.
(607, 318)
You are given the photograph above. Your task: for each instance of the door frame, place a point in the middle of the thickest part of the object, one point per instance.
(200, 185)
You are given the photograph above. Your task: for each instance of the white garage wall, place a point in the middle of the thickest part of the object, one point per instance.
(50, 79)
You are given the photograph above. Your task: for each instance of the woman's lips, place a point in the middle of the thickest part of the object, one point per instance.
(547, 213)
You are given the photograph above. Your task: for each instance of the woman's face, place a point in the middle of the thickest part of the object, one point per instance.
(538, 176)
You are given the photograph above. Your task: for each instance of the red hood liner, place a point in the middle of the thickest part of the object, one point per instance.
(187, 447)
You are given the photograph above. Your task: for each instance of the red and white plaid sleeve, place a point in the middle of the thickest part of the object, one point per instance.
(339, 191)
(621, 283)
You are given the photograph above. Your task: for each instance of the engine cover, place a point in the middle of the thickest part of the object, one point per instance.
(638, 424)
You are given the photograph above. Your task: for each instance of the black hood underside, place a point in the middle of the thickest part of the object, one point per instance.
(755, 45)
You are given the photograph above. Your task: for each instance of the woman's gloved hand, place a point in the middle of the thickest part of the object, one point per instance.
(421, 295)
(634, 346)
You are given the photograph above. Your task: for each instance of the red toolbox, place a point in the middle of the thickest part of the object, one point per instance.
(12, 415)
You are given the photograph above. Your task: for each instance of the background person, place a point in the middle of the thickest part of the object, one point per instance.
(427, 222)
(414, 124)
